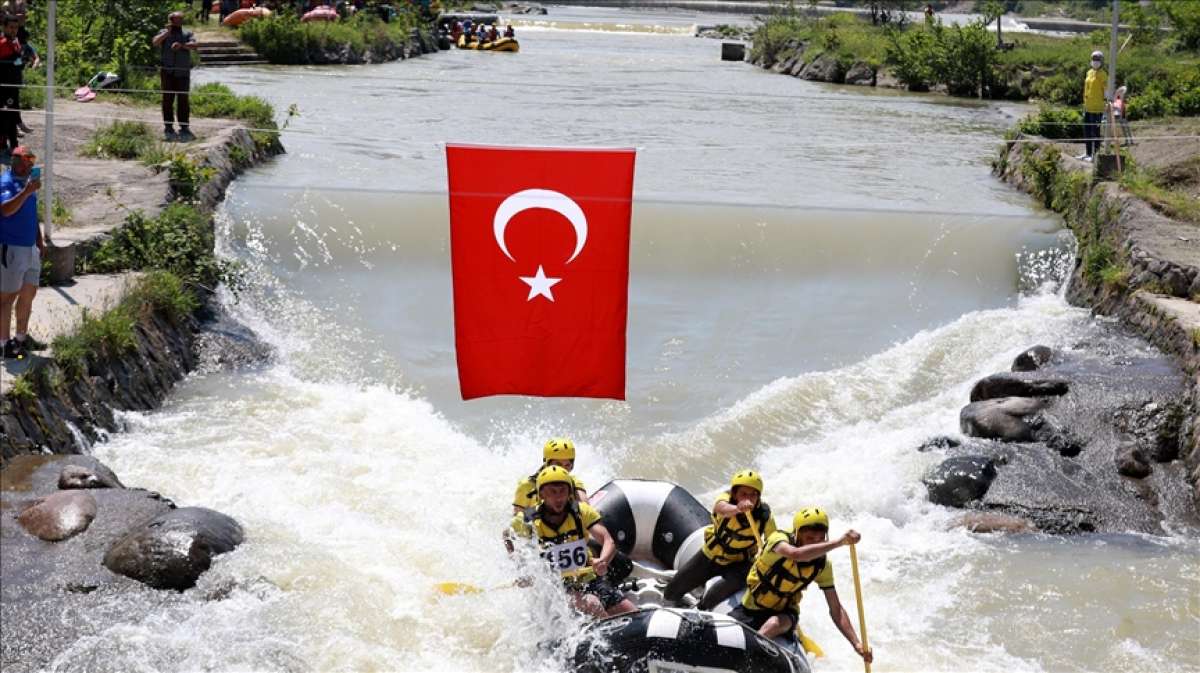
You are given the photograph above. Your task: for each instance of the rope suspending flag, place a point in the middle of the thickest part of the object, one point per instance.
(539, 249)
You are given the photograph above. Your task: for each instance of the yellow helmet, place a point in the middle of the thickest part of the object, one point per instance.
(810, 516)
(554, 475)
(559, 448)
(747, 478)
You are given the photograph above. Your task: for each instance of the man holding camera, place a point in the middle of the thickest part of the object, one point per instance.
(21, 249)
(175, 68)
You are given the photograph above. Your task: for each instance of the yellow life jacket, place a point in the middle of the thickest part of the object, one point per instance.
(776, 583)
(573, 528)
(729, 540)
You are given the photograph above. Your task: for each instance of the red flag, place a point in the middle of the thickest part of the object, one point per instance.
(539, 247)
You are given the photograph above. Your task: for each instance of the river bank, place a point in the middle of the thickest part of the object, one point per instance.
(62, 402)
(1133, 262)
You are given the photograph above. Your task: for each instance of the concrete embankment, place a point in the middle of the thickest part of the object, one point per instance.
(1133, 262)
(44, 409)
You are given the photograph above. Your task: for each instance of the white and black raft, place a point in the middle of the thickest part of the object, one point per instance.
(659, 526)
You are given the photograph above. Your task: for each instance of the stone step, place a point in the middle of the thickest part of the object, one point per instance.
(229, 58)
(219, 43)
(227, 50)
(233, 63)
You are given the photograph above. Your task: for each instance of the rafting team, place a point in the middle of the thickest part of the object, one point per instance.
(774, 569)
(479, 32)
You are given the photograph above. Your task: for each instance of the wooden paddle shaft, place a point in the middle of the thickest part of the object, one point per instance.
(862, 620)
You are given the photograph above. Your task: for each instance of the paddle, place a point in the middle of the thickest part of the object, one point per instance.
(458, 588)
(862, 620)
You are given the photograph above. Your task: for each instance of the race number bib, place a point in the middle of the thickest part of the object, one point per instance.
(568, 558)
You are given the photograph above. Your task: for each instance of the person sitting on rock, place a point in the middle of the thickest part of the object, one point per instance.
(558, 451)
(562, 527)
(788, 564)
(730, 542)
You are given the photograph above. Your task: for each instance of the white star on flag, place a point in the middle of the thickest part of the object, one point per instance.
(539, 284)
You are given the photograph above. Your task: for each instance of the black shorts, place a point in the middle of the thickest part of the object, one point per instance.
(600, 588)
(756, 618)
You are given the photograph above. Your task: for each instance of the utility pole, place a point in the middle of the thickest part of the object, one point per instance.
(1111, 88)
(48, 174)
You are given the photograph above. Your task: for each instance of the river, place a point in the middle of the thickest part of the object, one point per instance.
(818, 275)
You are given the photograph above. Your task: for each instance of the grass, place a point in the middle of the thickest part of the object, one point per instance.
(284, 40)
(114, 332)
(119, 140)
(1154, 188)
(62, 213)
(23, 388)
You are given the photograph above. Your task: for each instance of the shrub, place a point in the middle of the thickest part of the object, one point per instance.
(1053, 122)
(283, 39)
(164, 291)
(186, 177)
(179, 240)
(119, 140)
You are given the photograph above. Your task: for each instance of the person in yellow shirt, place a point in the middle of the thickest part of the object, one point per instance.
(788, 564)
(730, 543)
(558, 451)
(1093, 105)
(562, 527)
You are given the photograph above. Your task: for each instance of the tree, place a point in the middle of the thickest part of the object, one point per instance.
(1184, 16)
(993, 10)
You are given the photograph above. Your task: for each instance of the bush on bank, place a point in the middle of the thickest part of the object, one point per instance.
(1161, 71)
(285, 40)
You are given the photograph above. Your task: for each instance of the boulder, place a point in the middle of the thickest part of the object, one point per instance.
(960, 480)
(993, 522)
(1131, 462)
(887, 80)
(824, 68)
(77, 476)
(58, 516)
(1032, 359)
(1002, 418)
(1176, 282)
(861, 73)
(941, 442)
(172, 550)
(1017, 385)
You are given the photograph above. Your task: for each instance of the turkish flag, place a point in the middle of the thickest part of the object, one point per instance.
(539, 247)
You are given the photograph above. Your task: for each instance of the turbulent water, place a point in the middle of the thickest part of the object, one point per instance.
(818, 275)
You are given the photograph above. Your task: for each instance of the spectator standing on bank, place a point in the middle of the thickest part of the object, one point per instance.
(11, 64)
(1093, 105)
(204, 12)
(21, 249)
(175, 68)
(29, 56)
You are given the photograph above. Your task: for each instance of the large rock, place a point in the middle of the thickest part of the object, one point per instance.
(77, 476)
(824, 68)
(861, 73)
(174, 549)
(1003, 418)
(993, 522)
(58, 516)
(960, 480)
(1032, 359)
(1017, 385)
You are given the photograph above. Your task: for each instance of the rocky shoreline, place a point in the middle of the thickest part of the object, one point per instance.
(1104, 437)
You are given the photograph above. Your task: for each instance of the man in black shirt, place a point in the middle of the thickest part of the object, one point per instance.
(175, 68)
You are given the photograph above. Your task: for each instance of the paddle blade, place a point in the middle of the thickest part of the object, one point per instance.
(809, 645)
(456, 588)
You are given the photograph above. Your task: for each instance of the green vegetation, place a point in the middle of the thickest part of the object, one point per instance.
(1161, 189)
(114, 332)
(1161, 69)
(179, 240)
(119, 140)
(23, 388)
(285, 40)
(62, 214)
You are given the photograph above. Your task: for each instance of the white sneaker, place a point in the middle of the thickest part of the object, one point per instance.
(1087, 159)
(1081, 157)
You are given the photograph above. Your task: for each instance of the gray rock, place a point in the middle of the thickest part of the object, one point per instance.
(58, 516)
(1032, 359)
(1003, 418)
(993, 522)
(1176, 282)
(824, 68)
(941, 442)
(1017, 385)
(960, 480)
(174, 549)
(1194, 288)
(887, 80)
(77, 476)
(1131, 462)
(861, 73)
